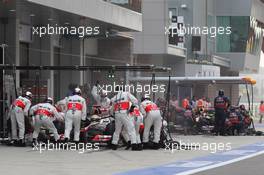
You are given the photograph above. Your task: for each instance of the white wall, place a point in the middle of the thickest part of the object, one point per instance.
(152, 39)
(258, 10)
(233, 7)
(98, 10)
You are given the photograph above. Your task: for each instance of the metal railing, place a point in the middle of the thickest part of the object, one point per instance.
(200, 59)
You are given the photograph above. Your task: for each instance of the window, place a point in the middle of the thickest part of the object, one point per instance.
(130, 4)
(196, 43)
(237, 40)
(210, 39)
(172, 12)
(24, 59)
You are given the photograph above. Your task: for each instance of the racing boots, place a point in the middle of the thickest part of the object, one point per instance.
(114, 147)
(135, 147)
(128, 145)
(20, 143)
(34, 143)
(156, 146)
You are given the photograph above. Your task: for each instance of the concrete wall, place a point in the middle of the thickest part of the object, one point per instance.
(241, 61)
(41, 53)
(70, 55)
(152, 40)
(10, 40)
(98, 10)
(91, 49)
(257, 10)
(194, 70)
(233, 7)
(200, 20)
(211, 91)
(111, 52)
(97, 52)
(119, 49)
(252, 63)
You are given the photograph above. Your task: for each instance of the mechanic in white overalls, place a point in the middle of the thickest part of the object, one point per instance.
(19, 110)
(76, 112)
(137, 119)
(43, 116)
(152, 117)
(120, 107)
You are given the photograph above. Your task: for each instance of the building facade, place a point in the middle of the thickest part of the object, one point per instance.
(110, 18)
(98, 37)
(204, 52)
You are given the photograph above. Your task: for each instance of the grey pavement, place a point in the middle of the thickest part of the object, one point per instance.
(25, 161)
(250, 166)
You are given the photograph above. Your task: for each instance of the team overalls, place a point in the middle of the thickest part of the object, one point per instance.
(43, 116)
(153, 117)
(20, 108)
(102, 102)
(220, 105)
(137, 119)
(120, 105)
(76, 111)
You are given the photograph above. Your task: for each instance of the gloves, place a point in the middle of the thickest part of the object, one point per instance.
(83, 123)
(97, 83)
(132, 108)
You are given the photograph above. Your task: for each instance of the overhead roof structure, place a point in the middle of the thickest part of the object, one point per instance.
(148, 68)
(200, 80)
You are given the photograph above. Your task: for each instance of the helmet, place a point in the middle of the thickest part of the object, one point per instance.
(97, 111)
(145, 97)
(28, 94)
(103, 93)
(77, 91)
(49, 100)
(232, 108)
(95, 118)
(242, 107)
(221, 92)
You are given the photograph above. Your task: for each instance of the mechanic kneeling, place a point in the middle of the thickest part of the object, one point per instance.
(43, 116)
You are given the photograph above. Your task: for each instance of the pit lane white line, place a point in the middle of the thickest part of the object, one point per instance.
(219, 164)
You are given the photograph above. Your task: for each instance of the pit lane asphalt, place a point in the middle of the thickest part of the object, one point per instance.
(252, 166)
(25, 161)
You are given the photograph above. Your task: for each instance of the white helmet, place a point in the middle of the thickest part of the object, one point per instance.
(77, 91)
(145, 97)
(103, 93)
(49, 100)
(28, 94)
